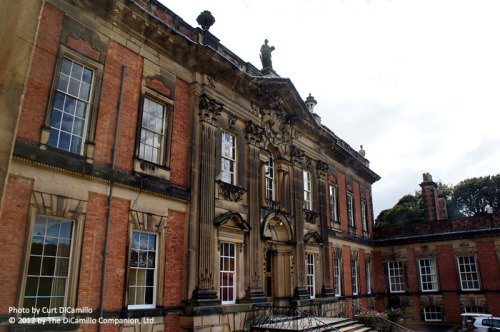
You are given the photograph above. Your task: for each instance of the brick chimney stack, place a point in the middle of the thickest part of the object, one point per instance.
(434, 200)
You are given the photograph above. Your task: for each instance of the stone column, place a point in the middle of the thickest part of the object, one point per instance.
(254, 291)
(205, 293)
(321, 169)
(298, 195)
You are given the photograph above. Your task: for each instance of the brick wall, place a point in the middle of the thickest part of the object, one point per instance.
(117, 255)
(174, 259)
(93, 245)
(488, 266)
(40, 78)
(446, 268)
(179, 163)
(369, 211)
(452, 307)
(411, 268)
(362, 272)
(357, 209)
(342, 202)
(13, 225)
(346, 259)
(116, 57)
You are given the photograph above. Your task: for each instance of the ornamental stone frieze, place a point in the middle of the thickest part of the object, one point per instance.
(297, 156)
(231, 192)
(255, 134)
(210, 110)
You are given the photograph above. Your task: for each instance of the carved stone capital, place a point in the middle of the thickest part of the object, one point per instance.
(255, 134)
(322, 168)
(297, 156)
(210, 110)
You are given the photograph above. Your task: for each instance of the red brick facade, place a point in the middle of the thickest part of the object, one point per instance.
(40, 78)
(13, 229)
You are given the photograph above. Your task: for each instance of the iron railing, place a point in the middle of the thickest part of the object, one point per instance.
(395, 327)
(269, 318)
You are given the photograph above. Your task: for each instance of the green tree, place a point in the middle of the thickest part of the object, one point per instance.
(409, 209)
(473, 196)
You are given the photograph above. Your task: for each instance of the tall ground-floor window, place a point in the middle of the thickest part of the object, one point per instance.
(228, 273)
(311, 287)
(143, 270)
(49, 265)
(336, 276)
(354, 276)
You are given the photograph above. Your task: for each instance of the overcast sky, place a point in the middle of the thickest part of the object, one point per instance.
(417, 83)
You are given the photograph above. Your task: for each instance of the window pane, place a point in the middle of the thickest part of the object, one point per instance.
(71, 106)
(142, 271)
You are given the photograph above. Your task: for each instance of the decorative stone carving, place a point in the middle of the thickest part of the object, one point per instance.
(58, 206)
(256, 109)
(265, 55)
(255, 282)
(272, 205)
(278, 127)
(297, 156)
(308, 163)
(301, 280)
(337, 252)
(210, 110)
(231, 122)
(255, 134)
(231, 192)
(368, 258)
(148, 221)
(321, 168)
(206, 281)
(311, 216)
(394, 255)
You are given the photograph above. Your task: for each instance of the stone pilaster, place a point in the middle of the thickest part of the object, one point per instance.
(205, 293)
(254, 290)
(298, 194)
(321, 170)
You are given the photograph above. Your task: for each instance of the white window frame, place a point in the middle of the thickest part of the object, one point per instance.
(336, 277)
(354, 277)
(468, 271)
(228, 273)
(132, 285)
(368, 278)
(307, 190)
(428, 275)
(32, 266)
(396, 277)
(433, 314)
(333, 203)
(364, 218)
(269, 178)
(68, 112)
(228, 157)
(310, 276)
(147, 130)
(350, 211)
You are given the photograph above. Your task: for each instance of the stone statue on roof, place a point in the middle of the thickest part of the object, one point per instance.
(265, 55)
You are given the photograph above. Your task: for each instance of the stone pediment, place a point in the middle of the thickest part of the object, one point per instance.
(232, 220)
(313, 237)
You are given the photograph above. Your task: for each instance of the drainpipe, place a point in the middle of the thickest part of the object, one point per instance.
(110, 200)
